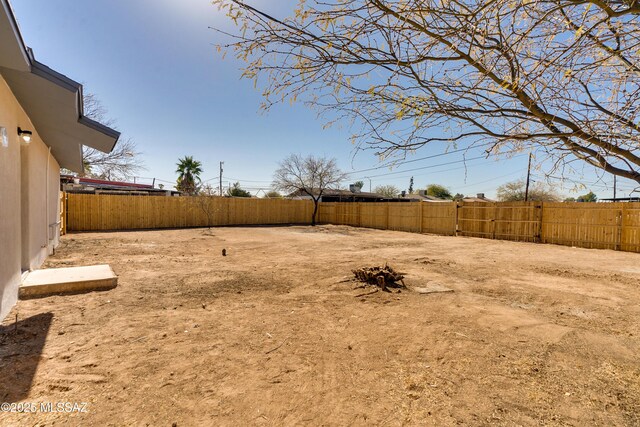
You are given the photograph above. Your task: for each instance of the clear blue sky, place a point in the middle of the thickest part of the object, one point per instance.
(154, 67)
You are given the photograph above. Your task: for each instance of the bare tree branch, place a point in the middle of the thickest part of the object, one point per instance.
(556, 76)
(123, 162)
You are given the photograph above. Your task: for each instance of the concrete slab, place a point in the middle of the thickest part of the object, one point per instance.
(72, 280)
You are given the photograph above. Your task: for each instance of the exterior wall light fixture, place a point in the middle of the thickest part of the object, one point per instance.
(4, 138)
(25, 135)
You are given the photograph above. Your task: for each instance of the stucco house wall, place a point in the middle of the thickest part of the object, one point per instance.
(39, 99)
(10, 201)
(40, 203)
(29, 204)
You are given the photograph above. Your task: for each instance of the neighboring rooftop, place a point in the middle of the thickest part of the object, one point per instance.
(73, 184)
(331, 195)
(479, 198)
(621, 199)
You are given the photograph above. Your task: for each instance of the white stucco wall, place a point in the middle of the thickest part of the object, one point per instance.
(29, 200)
(10, 234)
(40, 206)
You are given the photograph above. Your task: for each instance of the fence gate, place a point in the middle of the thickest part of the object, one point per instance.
(521, 221)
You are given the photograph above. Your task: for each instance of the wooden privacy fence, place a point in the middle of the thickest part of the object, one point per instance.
(588, 225)
(89, 212)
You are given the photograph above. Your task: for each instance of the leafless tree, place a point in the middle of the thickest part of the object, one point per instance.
(208, 202)
(308, 175)
(559, 77)
(387, 190)
(122, 162)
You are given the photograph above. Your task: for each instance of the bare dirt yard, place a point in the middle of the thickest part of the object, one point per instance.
(272, 334)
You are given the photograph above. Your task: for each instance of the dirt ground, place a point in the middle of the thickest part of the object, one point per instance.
(271, 334)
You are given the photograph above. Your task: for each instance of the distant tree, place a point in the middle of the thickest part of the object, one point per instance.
(273, 195)
(439, 191)
(309, 175)
(387, 190)
(570, 199)
(515, 191)
(458, 197)
(236, 191)
(122, 162)
(411, 186)
(589, 197)
(359, 185)
(161, 186)
(189, 171)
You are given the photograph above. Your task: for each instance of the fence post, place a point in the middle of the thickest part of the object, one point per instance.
(420, 216)
(538, 237)
(619, 221)
(455, 225)
(493, 221)
(387, 223)
(63, 213)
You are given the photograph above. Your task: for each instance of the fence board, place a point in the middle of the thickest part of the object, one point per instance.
(88, 212)
(630, 227)
(586, 225)
(476, 219)
(589, 225)
(374, 215)
(439, 218)
(404, 217)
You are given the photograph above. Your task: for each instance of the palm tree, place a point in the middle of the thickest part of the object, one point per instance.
(189, 171)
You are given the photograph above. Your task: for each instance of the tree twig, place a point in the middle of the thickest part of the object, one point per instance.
(367, 293)
(281, 344)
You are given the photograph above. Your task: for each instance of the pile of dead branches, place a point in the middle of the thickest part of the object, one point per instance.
(384, 277)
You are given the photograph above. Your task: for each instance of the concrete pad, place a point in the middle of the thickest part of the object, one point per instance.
(73, 280)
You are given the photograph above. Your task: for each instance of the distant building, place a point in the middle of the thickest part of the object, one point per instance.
(72, 184)
(354, 195)
(340, 196)
(421, 196)
(621, 199)
(479, 198)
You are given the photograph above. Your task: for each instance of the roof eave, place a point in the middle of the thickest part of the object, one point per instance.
(54, 115)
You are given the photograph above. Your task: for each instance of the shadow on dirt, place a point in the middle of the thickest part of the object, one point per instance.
(21, 345)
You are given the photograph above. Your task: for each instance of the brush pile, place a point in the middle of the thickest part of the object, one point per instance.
(383, 277)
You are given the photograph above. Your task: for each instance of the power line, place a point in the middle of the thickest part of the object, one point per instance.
(417, 160)
(387, 165)
(465, 167)
(489, 180)
(244, 180)
(601, 185)
(440, 164)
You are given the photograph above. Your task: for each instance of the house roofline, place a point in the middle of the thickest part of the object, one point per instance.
(15, 27)
(16, 75)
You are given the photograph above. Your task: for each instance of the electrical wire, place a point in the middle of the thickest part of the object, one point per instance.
(433, 166)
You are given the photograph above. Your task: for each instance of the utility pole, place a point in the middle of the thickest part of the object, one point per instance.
(366, 177)
(526, 190)
(614, 187)
(220, 188)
